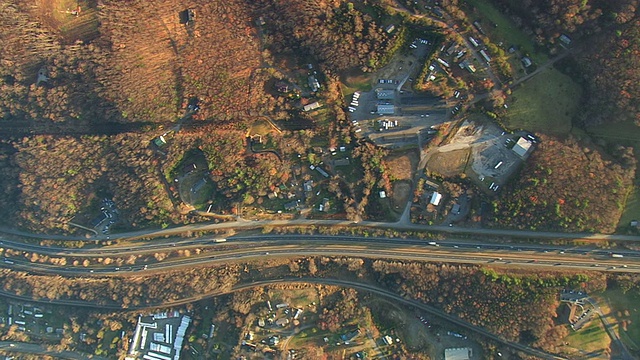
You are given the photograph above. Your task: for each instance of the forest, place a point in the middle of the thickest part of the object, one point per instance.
(567, 185)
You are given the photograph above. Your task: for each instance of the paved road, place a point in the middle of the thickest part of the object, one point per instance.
(241, 248)
(37, 349)
(246, 224)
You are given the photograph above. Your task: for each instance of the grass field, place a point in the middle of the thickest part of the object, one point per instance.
(355, 80)
(546, 103)
(506, 31)
(626, 308)
(625, 133)
(592, 338)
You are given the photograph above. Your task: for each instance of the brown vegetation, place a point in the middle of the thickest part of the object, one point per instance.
(567, 185)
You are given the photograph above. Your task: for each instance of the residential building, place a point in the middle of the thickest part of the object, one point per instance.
(436, 198)
(312, 106)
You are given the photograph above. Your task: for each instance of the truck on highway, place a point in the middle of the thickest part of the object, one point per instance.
(433, 243)
(219, 240)
(616, 256)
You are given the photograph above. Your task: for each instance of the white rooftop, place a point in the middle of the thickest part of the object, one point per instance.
(522, 146)
(457, 354)
(435, 198)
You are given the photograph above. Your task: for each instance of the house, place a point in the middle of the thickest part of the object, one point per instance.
(321, 171)
(274, 340)
(466, 65)
(455, 209)
(432, 184)
(479, 27)
(282, 86)
(313, 83)
(522, 147)
(312, 106)
(565, 39)
(159, 141)
(189, 168)
(486, 56)
(389, 29)
(282, 321)
(384, 109)
(341, 162)
(325, 204)
(435, 198)
(526, 62)
(308, 186)
(458, 353)
(291, 205)
(195, 188)
(350, 335)
(388, 340)
(385, 94)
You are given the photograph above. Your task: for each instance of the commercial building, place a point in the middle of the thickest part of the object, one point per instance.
(522, 147)
(458, 354)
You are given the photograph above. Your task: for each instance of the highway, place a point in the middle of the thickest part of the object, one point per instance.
(249, 248)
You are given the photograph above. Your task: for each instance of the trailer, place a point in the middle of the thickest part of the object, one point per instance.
(617, 255)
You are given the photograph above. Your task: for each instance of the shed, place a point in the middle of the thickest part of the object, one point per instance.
(526, 62)
(390, 29)
(383, 194)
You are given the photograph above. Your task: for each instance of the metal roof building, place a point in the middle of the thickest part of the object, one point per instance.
(436, 198)
(386, 109)
(457, 354)
(522, 147)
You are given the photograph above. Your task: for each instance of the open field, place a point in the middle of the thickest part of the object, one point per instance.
(546, 103)
(592, 339)
(506, 31)
(626, 309)
(626, 133)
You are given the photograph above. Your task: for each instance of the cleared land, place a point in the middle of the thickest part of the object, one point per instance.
(356, 81)
(506, 31)
(401, 166)
(546, 103)
(450, 163)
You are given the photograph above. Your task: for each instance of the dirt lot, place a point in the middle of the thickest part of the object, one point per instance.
(450, 163)
(401, 193)
(401, 166)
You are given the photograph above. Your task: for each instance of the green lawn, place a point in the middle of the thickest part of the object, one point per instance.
(625, 133)
(545, 103)
(506, 31)
(591, 338)
(626, 307)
